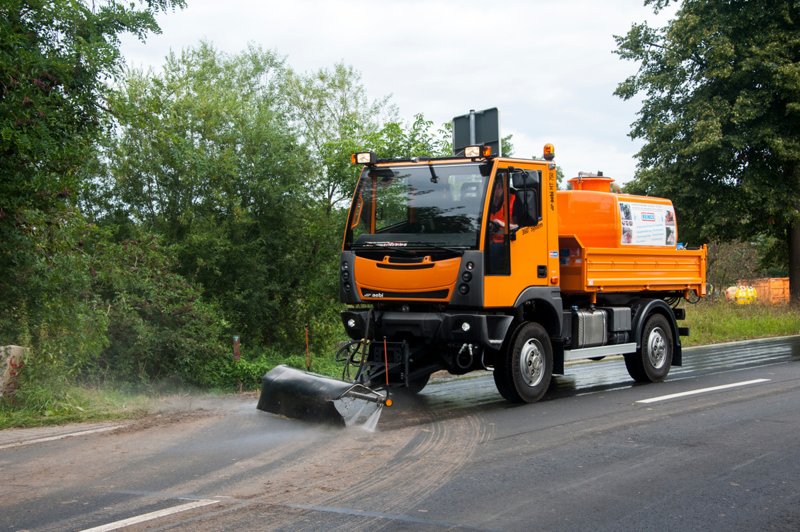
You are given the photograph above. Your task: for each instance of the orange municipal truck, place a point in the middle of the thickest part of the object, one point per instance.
(479, 262)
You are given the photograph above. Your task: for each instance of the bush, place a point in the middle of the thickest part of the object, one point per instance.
(48, 305)
(158, 324)
(254, 363)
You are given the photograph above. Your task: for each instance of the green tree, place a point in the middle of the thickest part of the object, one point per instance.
(158, 324)
(242, 168)
(418, 139)
(55, 59)
(334, 116)
(206, 158)
(721, 118)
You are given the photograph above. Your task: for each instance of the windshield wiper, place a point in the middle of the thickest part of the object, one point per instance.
(407, 248)
(430, 245)
(383, 246)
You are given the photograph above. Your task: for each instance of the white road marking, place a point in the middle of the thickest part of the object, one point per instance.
(60, 437)
(152, 515)
(702, 390)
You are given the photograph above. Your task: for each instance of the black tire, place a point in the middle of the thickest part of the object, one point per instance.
(523, 372)
(651, 363)
(413, 388)
(416, 385)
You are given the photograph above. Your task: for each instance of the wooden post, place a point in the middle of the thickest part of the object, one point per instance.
(308, 353)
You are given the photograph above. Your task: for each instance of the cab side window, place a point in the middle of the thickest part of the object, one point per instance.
(527, 189)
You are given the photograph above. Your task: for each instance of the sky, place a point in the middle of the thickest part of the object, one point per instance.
(547, 66)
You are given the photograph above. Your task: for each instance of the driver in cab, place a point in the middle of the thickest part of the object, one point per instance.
(497, 214)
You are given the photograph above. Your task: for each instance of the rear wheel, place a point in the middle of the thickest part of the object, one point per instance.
(652, 361)
(523, 372)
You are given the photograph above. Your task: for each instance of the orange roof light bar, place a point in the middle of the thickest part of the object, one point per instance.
(549, 152)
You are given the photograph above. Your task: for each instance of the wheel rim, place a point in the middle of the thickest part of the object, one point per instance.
(531, 362)
(657, 348)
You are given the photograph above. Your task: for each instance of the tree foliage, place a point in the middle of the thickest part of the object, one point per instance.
(146, 217)
(158, 324)
(206, 158)
(242, 168)
(334, 116)
(56, 57)
(721, 118)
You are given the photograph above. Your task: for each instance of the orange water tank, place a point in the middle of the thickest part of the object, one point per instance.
(601, 218)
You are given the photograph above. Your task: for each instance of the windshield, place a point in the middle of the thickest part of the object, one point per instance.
(418, 206)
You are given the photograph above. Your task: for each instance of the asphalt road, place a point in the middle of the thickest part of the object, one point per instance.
(599, 453)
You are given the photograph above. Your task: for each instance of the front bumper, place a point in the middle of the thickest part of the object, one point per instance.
(488, 330)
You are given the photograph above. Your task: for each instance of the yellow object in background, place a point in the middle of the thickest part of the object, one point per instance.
(745, 295)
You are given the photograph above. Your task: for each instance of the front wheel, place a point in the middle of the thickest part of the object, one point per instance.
(415, 386)
(652, 361)
(523, 372)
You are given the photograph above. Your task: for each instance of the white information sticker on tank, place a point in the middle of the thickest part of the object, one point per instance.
(646, 224)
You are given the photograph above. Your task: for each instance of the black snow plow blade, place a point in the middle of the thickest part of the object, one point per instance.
(297, 394)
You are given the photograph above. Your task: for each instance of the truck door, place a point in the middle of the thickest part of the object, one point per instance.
(516, 245)
(498, 233)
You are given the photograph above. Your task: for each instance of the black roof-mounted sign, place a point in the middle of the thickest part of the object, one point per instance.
(477, 127)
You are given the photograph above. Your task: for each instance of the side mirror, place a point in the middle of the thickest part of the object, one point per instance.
(525, 179)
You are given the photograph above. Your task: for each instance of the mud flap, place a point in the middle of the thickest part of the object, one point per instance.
(296, 394)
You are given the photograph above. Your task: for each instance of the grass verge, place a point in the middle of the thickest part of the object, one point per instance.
(722, 321)
(76, 404)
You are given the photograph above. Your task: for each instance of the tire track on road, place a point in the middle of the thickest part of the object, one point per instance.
(390, 482)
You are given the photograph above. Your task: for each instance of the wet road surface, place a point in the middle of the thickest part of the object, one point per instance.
(589, 456)
(478, 394)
